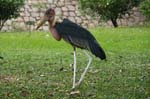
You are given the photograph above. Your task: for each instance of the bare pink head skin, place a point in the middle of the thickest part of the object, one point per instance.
(50, 17)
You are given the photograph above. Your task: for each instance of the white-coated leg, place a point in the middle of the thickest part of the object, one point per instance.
(74, 69)
(83, 74)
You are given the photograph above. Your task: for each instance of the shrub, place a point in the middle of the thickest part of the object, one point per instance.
(145, 8)
(110, 9)
(9, 9)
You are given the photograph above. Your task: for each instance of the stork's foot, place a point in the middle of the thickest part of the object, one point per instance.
(75, 92)
(77, 85)
(74, 87)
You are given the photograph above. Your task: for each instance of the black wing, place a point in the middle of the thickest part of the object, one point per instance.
(79, 37)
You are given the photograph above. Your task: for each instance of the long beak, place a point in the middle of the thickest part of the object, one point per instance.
(40, 23)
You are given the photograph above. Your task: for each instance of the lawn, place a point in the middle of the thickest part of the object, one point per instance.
(35, 66)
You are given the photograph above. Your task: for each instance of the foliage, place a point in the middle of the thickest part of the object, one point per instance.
(145, 8)
(9, 9)
(37, 66)
(110, 9)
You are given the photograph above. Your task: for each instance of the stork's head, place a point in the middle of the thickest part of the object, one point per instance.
(49, 15)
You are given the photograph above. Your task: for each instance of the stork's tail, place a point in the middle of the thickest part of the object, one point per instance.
(97, 50)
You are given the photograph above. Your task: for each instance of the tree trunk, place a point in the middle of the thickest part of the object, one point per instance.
(114, 22)
(2, 22)
(0, 25)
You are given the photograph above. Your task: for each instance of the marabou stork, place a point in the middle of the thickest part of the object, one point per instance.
(75, 35)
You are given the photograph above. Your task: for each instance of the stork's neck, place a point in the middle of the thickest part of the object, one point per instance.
(54, 32)
(52, 23)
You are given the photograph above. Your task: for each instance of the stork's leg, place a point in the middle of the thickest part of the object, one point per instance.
(83, 74)
(74, 69)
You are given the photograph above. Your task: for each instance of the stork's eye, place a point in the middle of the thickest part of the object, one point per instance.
(52, 12)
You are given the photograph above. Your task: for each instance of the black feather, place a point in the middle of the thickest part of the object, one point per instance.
(96, 49)
(79, 37)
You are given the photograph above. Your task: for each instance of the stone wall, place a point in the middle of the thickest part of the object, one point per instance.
(34, 9)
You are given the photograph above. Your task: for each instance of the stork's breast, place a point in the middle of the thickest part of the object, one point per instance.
(55, 34)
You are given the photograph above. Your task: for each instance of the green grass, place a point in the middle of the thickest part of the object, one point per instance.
(38, 67)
